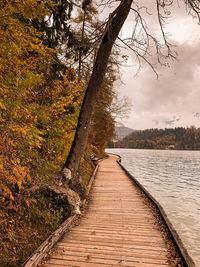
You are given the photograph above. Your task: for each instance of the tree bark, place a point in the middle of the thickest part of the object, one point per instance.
(80, 50)
(113, 27)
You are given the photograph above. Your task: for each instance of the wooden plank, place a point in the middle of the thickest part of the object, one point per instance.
(67, 253)
(112, 242)
(113, 245)
(119, 228)
(113, 251)
(75, 263)
(116, 237)
(109, 232)
(107, 259)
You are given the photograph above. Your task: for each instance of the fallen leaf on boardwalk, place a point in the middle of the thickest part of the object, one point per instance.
(88, 257)
(93, 233)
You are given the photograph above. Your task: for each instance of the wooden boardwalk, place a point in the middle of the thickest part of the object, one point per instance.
(118, 228)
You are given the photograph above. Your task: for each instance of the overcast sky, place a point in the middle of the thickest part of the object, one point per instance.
(172, 100)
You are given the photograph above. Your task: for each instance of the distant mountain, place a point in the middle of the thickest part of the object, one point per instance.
(122, 132)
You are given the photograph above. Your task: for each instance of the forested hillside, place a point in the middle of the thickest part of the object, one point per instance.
(177, 138)
(44, 68)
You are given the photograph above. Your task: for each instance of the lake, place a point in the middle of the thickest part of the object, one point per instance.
(173, 179)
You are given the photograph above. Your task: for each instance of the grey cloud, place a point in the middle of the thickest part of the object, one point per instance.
(172, 121)
(176, 85)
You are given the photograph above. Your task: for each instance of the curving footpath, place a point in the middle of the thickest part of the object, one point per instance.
(118, 228)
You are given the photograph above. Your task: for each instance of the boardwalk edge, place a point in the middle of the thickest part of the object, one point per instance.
(47, 245)
(183, 251)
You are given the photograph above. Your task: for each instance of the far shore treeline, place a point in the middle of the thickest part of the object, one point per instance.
(169, 138)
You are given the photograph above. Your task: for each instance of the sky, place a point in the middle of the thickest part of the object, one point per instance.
(173, 99)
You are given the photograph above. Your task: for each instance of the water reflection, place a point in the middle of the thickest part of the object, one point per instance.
(173, 178)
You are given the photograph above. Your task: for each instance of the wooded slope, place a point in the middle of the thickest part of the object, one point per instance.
(171, 138)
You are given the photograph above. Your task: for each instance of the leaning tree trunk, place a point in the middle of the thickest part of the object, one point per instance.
(113, 27)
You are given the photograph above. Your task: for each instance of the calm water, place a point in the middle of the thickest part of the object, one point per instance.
(173, 178)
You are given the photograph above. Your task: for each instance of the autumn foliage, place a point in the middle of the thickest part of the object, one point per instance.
(39, 107)
(37, 114)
